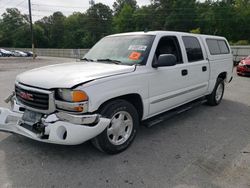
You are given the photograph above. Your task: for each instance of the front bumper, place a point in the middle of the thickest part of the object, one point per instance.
(243, 70)
(58, 128)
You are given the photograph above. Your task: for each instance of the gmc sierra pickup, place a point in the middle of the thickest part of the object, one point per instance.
(123, 80)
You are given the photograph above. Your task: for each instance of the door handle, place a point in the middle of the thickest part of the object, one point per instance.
(204, 69)
(184, 72)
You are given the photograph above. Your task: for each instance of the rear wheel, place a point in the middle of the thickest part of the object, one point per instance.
(216, 96)
(122, 129)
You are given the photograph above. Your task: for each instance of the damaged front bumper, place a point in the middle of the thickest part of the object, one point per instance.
(58, 128)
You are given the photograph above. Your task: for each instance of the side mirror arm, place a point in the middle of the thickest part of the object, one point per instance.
(154, 64)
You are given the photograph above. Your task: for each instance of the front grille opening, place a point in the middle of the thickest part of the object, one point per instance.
(32, 99)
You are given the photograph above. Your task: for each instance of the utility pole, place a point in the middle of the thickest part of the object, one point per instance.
(31, 30)
(91, 3)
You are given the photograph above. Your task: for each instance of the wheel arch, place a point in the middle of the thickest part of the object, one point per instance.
(134, 98)
(222, 75)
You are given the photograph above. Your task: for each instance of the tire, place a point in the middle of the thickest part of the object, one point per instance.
(122, 130)
(216, 96)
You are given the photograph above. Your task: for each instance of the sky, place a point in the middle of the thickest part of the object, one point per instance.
(41, 8)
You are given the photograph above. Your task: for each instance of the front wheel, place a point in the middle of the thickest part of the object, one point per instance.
(216, 96)
(122, 129)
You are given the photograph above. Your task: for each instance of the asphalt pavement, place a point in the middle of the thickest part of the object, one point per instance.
(205, 147)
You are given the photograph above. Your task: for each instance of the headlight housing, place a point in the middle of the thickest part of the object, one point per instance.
(75, 101)
(242, 63)
(72, 95)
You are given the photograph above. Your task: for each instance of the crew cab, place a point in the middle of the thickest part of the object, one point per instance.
(123, 80)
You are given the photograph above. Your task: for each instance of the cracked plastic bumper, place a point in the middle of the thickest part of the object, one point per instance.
(57, 130)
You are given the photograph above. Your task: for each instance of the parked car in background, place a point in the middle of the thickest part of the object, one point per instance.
(1, 54)
(243, 68)
(30, 54)
(6, 53)
(18, 53)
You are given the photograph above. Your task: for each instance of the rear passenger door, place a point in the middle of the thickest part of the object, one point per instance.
(198, 67)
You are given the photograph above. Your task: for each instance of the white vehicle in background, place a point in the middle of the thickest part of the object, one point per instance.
(18, 53)
(6, 53)
(123, 80)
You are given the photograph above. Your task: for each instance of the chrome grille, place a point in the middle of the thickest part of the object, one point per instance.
(32, 99)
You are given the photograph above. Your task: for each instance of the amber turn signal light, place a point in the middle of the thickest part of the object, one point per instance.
(79, 96)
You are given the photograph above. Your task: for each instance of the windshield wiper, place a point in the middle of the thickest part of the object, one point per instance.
(110, 60)
(86, 59)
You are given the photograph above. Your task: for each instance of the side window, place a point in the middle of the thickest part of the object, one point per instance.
(223, 47)
(193, 49)
(213, 46)
(169, 45)
(217, 47)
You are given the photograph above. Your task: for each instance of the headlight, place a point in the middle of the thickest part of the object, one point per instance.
(72, 95)
(76, 107)
(72, 100)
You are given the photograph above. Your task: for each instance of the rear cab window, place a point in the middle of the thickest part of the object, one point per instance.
(217, 46)
(193, 49)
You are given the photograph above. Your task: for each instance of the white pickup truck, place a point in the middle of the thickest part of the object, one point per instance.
(123, 80)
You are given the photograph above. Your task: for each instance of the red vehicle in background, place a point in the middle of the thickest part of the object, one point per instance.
(243, 68)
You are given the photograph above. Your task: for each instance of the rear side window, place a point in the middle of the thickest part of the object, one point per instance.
(217, 47)
(193, 49)
(223, 47)
(213, 46)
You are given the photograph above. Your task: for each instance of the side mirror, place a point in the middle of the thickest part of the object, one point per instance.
(165, 60)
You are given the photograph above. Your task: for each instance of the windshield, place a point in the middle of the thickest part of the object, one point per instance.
(129, 49)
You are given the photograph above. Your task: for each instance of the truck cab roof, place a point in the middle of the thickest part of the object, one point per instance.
(165, 33)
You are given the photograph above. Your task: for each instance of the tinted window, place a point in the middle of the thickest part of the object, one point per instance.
(217, 47)
(213, 46)
(193, 49)
(169, 45)
(223, 47)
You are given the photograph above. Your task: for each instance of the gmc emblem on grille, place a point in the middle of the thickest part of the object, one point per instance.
(26, 96)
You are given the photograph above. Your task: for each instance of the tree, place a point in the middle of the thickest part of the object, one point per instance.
(57, 29)
(41, 39)
(218, 18)
(241, 20)
(21, 38)
(11, 25)
(53, 27)
(143, 18)
(124, 21)
(98, 22)
(119, 4)
(229, 18)
(181, 15)
(75, 30)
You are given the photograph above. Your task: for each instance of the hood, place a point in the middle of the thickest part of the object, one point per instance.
(68, 75)
(246, 61)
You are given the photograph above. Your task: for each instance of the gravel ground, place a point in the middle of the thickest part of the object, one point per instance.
(204, 147)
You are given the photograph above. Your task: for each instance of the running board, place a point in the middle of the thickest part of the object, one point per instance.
(169, 114)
